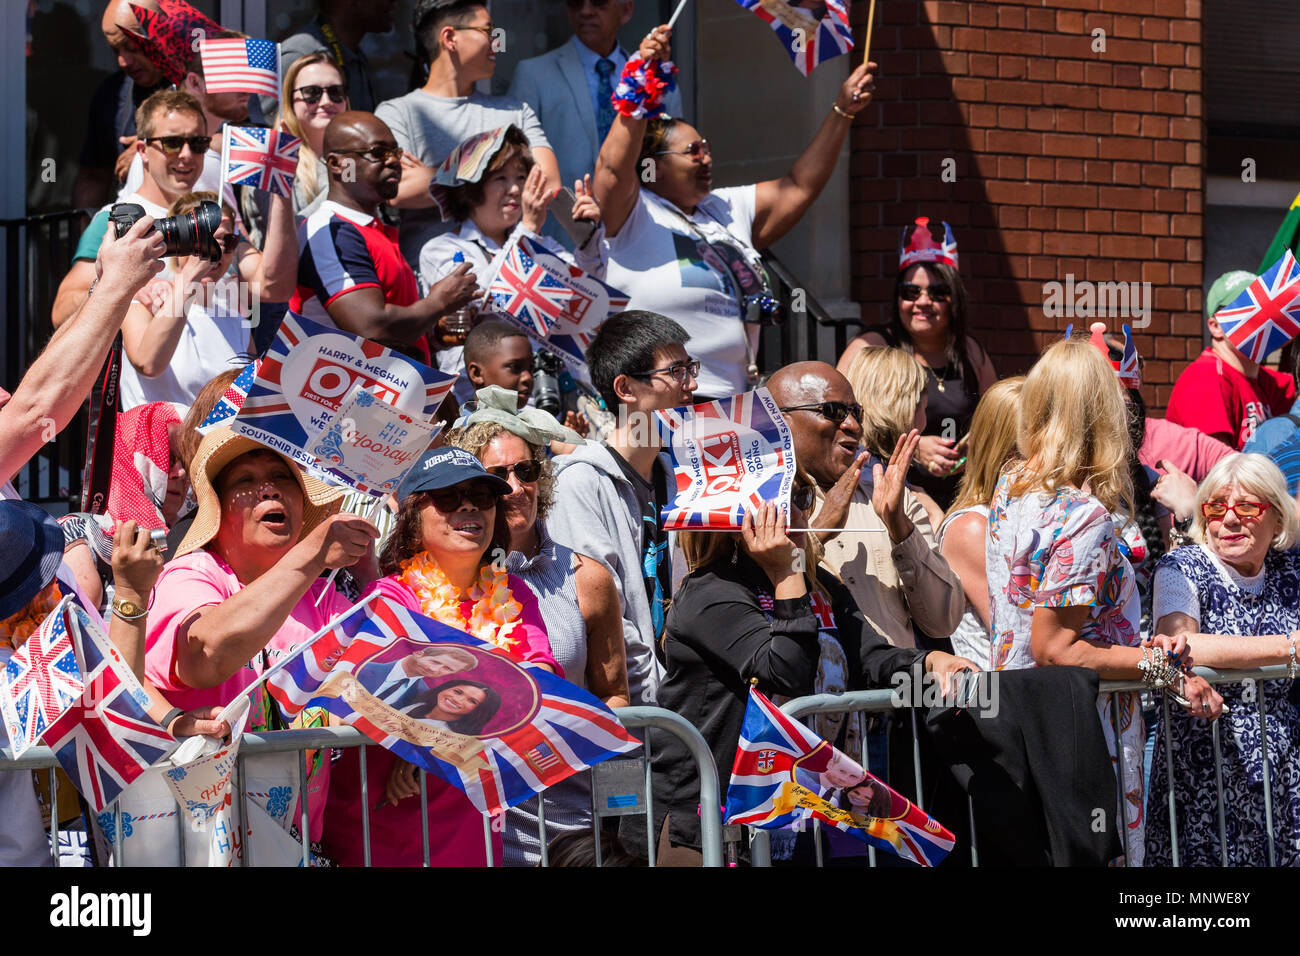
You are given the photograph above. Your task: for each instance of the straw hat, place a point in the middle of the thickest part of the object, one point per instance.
(219, 448)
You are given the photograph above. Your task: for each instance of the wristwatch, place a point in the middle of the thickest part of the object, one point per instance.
(128, 610)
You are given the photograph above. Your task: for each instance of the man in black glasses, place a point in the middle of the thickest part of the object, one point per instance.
(887, 557)
(351, 273)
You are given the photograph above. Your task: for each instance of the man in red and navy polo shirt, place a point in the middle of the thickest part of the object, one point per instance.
(351, 273)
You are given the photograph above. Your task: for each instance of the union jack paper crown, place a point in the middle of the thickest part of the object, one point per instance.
(1127, 370)
(918, 244)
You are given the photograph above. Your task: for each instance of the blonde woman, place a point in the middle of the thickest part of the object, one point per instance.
(1235, 599)
(1060, 590)
(961, 535)
(315, 92)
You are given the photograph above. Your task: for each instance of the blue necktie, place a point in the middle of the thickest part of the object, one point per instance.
(604, 93)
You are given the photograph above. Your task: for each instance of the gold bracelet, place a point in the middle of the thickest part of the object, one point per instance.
(836, 108)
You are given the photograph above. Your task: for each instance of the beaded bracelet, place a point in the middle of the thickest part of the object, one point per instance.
(1159, 673)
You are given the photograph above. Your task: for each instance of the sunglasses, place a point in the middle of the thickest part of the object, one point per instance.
(695, 150)
(1245, 510)
(679, 372)
(938, 292)
(375, 154)
(834, 412)
(172, 145)
(804, 497)
(447, 500)
(526, 471)
(311, 95)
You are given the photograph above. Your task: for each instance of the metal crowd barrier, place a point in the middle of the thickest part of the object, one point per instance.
(300, 741)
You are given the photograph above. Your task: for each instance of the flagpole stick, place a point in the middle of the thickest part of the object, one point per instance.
(682, 6)
(866, 42)
(370, 516)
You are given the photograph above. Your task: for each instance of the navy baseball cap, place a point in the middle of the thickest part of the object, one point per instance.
(446, 467)
(32, 553)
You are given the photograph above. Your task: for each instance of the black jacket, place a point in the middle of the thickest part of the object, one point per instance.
(716, 638)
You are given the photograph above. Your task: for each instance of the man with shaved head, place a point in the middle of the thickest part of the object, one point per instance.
(887, 558)
(351, 274)
(113, 106)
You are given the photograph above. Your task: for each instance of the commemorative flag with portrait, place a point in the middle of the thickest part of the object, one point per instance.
(785, 774)
(41, 681)
(457, 706)
(261, 158)
(1266, 315)
(729, 456)
(808, 40)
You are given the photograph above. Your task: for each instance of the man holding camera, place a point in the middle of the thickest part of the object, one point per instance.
(172, 143)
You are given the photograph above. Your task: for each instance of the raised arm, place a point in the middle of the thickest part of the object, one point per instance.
(781, 203)
(273, 272)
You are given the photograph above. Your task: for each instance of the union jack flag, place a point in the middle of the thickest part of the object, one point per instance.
(729, 456)
(1267, 313)
(528, 293)
(806, 39)
(261, 158)
(543, 729)
(41, 681)
(232, 399)
(106, 740)
(775, 784)
(241, 65)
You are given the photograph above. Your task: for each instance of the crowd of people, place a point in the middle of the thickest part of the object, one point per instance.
(954, 521)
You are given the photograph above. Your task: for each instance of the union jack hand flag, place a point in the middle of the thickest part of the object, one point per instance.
(241, 65)
(107, 739)
(806, 39)
(41, 681)
(1266, 315)
(729, 456)
(776, 782)
(540, 291)
(262, 158)
(232, 399)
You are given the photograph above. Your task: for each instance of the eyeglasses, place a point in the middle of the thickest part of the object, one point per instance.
(679, 372)
(487, 31)
(172, 145)
(696, 150)
(804, 497)
(834, 412)
(939, 292)
(311, 95)
(375, 154)
(1245, 510)
(447, 500)
(527, 471)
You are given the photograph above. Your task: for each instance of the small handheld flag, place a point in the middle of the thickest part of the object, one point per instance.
(241, 65)
(41, 681)
(1266, 315)
(808, 40)
(262, 158)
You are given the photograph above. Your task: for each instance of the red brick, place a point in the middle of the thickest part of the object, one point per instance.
(1155, 77)
(1069, 220)
(1192, 154)
(944, 11)
(1000, 91)
(1062, 46)
(1069, 21)
(1011, 167)
(1040, 218)
(1186, 325)
(1171, 103)
(1189, 81)
(1193, 105)
(1185, 31)
(898, 63)
(983, 114)
(1041, 119)
(983, 64)
(1169, 200)
(1195, 200)
(1070, 244)
(1098, 124)
(1155, 272)
(1025, 243)
(1137, 101)
(1185, 177)
(1127, 247)
(972, 41)
(1012, 67)
(1127, 221)
(1123, 197)
(1126, 75)
(1169, 54)
(1168, 151)
(1187, 274)
(1078, 97)
(1170, 348)
(1127, 174)
(1127, 124)
(1154, 29)
(1154, 224)
(1011, 18)
(1155, 176)
(1184, 128)
(866, 138)
(1129, 51)
(899, 164)
(1069, 170)
(1070, 195)
(1027, 44)
(1022, 194)
(1128, 27)
(1013, 217)
(1040, 20)
(1039, 167)
(1097, 171)
(1192, 57)
(965, 88)
(1069, 71)
(1060, 144)
(1155, 127)
(1011, 117)
(1001, 141)
(1041, 71)
(1098, 220)
(898, 114)
(983, 15)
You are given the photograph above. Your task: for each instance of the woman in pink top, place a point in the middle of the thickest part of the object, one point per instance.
(445, 559)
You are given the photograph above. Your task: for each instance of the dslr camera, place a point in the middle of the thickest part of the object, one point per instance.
(186, 234)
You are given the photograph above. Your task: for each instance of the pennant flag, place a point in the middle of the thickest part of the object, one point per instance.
(262, 158)
(1266, 315)
(807, 39)
(41, 681)
(784, 773)
(232, 399)
(106, 740)
(455, 705)
(1287, 236)
(241, 65)
(543, 293)
(310, 370)
(729, 456)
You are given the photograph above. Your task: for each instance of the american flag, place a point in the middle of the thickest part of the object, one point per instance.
(807, 40)
(231, 400)
(1267, 313)
(729, 456)
(241, 65)
(262, 158)
(41, 681)
(106, 740)
(774, 785)
(555, 728)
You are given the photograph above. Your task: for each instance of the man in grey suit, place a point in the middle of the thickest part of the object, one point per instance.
(569, 88)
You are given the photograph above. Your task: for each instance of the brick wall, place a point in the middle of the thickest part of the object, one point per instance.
(1067, 161)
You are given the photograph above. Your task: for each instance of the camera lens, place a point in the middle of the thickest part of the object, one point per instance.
(546, 384)
(191, 233)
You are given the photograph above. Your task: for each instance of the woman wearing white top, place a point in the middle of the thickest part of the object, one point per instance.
(200, 324)
(510, 195)
(679, 248)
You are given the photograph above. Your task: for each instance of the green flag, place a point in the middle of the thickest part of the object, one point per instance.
(1287, 235)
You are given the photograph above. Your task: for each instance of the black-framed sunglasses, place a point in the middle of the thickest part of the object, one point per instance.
(939, 292)
(803, 497)
(172, 145)
(696, 150)
(375, 154)
(479, 496)
(527, 471)
(337, 92)
(834, 412)
(679, 371)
